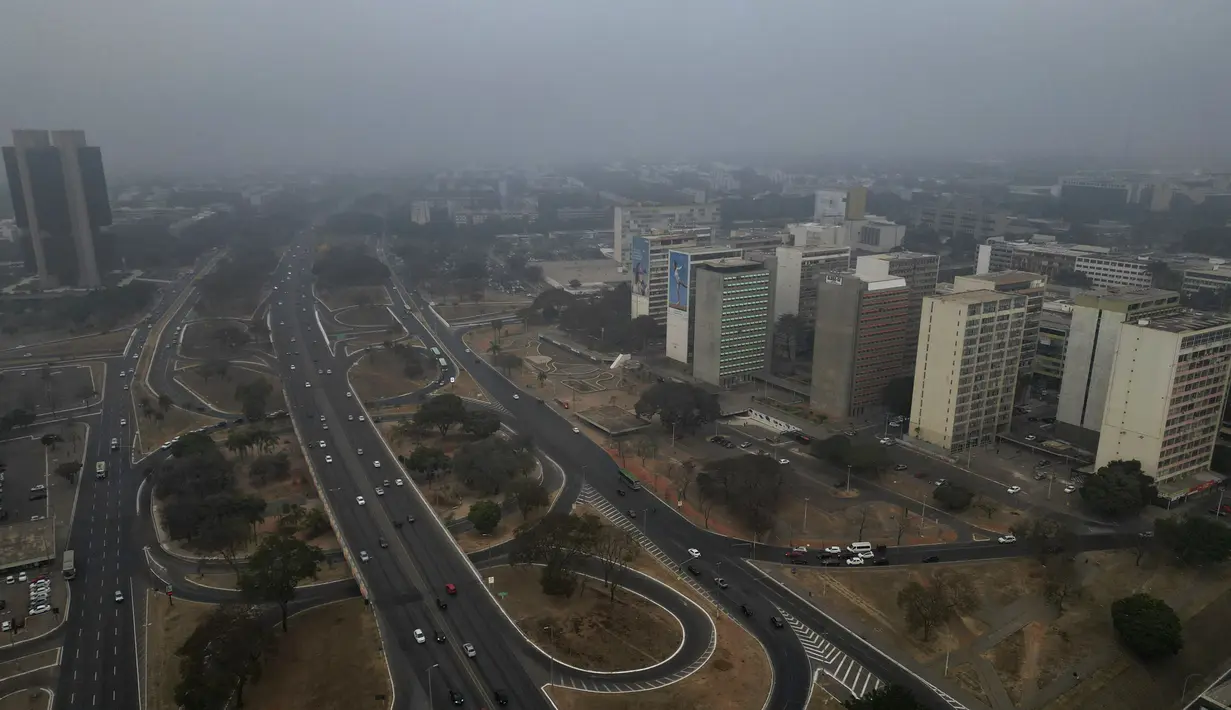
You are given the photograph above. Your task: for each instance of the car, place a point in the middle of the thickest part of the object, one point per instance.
(854, 560)
(322, 417)
(1070, 489)
(385, 483)
(500, 697)
(1006, 539)
(360, 500)
(931, 558)
(456, 698)
(440, 638)
(328, 372)
(450, 588)
(745, 610)
(728, 444)
(292, 367)
(777, 623)
(692, 569)
(850, 432)
(794, 553)
(359, 452)
(320, 372)
(307, 384)
(576, 430)
(410, 519)
(784, 462)
(322, 443)
(886, 441)
(382, 542)
(1013, 489)
(799, 560)
(325, 427)
(40, 609)
(123, 422)
(1031, 437)
(119, 597)
(21, 577)
(722, 583)
(6, 626)
(348, 395)
(380, 491)
(516, 396)
(328, 459)
(10, 579)
(363, 556)
(376, 463)
(631, 513)
(717, 439)
(125, 388)
(419, 636)
(745, 444)
(833, 550)
(361, 418)
(1040, 476)
(398, 482)
(122, 373)
(694, 552)
(469, 649)
(940, 482)
(899, 467)
(867, 554)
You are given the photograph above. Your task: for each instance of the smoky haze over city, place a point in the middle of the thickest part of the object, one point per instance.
(238, 85)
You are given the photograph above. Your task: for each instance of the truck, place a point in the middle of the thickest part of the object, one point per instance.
(69, 567)
(100, 469)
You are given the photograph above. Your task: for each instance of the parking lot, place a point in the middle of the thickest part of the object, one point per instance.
(30, 601)
(63, 388)
(27, 463)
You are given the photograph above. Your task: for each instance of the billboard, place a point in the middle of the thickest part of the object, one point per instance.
(677, 281)
(641, 266)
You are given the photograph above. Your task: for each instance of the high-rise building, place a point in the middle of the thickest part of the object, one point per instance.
(1094, 332)
(966, 368)
(681, 293)
(637, 220)
(1054, 327)
(793, 276)
(1095, 195)
(1032, 286)
(60, 201)
(860, 333)
(874, 234)
(963, 218)
(649, 271)
(1166, 394)
(732, 319)
(919, 271)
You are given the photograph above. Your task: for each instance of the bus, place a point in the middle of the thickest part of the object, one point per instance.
(69, 570)
(435, 352)
(630, 480)
(100, 469)
(444, 364)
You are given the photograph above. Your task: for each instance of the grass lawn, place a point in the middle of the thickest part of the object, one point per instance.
(200, 340)
(365, 316)
(379, 374)
(101, 344)
(227, 580)
(220, 391)
(329, 659)
(27, 699)
(154, 432)
(337, 298)
(169, 627)
(587, 630)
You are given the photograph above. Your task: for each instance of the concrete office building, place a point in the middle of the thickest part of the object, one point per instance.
(1103, 269)
(649, 271)
(816, 234)
(960, 217)
(1215, 278)
(1032, 286)
(681, 287)
(1166, 394)
(919, 271)
(637, 221)
(60, 201)
(731, 306)
(1095, 195)
(1052, 349)
(1094, 332)
(838, 206)
(966, 370)
(860, 333)
(874, 234)
(793, 276)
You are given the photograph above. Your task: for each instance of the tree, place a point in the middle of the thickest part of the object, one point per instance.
(749, 486)
(484, 515)
(253, 397)
(164, 403)
(85, 394)
(239, 442)
(429, 460)
(410, 430)
(645, 329)
(678, 404)
(886, 697)
(68, 470)
(1119, 490)
(616, 549)
(833, 449)
(279, 563)
(220, 657)
(507, 362)
(50, 440)
(558, 542)
(497, 324)
(1147, 626)
(953, 496)
(493, 348)
(1196, 541)
(488, 464)
(442, 412)
(868, 459)
(947, 594)
(987, 505)
(1046, 538)
(1061, 580)
(529, 496)
(481, 423)
(269, 467)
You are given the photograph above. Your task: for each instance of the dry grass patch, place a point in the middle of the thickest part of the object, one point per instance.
(380, 374)
(228, 580)
(366, 316)
(346, 296)
(329, 659)
(1001, 519)
(219, 392)
(588, 630)
(169, 627)
(27, 699)
(154, 432)
(102, 344)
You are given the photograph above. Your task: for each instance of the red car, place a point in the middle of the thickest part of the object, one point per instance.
(451, 589)
(794, 553)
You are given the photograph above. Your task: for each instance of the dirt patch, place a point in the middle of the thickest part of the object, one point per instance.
(379, 374)
(169, 627)
(219, 391)
(29, 699)
(347, 296)
(1001, 519)
(588, 630)
(967, 678)
(329, 659)
(1006, 658)
(50, 390)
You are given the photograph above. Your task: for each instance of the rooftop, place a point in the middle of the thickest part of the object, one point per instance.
(1002, 278)
(730, 264)
(900, 256)
(977, 296)
(1185, 322)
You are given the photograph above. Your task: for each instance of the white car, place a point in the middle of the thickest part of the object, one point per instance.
(467, 349)
(360, 500)
(328, 459)
(469, 649)
(833, 550)
(307, 384)
(322, 417)
(350, 417)
(799, 548)
(576, 430)
(40, 609)
(21, 577)
(359, 451)
(376, 464)
(123, 422)
(292, 367)
(328, 372)
(694, 552)
(399, 482)
(854, 560)
(867, 554)
(1013, 489)
(1006, 539)
(119, 596)
(348, 395)
(1070, 489)
(784, 461)
(361, 418)
(321, 444)
(380, 491)
(363, 556)
(419, 636)
(10, 579)
(125, 388)
(517, 396)
(1031, 437)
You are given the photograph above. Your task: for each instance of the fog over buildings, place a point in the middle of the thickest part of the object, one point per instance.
(238, 84)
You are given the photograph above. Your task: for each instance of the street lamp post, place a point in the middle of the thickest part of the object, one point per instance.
(805, 515)
(848, 478)
(429, 683)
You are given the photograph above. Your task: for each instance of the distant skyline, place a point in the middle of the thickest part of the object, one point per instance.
(230, 85)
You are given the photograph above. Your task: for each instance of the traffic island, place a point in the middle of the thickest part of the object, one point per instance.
(219, 385)
(170, 623)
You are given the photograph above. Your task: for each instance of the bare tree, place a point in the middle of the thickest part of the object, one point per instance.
(707, 507)
(616, 549)
(903, 523)
(863, 521)
(1061, 582)
(987, 505)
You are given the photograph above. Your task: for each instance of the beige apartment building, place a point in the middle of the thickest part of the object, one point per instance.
(1028, 284)
(1166, 394)
(966, 369)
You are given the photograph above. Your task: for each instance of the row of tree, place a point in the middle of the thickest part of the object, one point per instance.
(561, 542)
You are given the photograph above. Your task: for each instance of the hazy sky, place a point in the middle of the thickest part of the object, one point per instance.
(214, 84)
